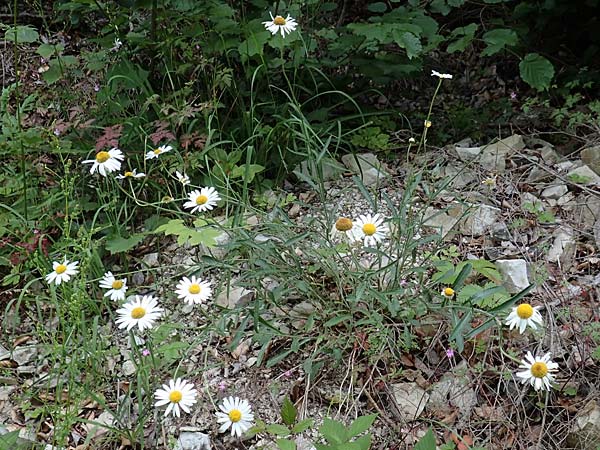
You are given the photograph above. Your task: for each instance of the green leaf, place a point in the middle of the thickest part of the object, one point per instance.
(48, 50)
(205, 235)
(464, 37)
(497, 39)
(303, 425)
(246, 172)
(427, 442)
(377, 7)
(462, 276)
(361, 424)
(288, 412)
(337, 320)
(284, 444)
(254, 45)
(536, 71)
(363, 442)
(10, 439)
(409, 42)
(277, 429)
(333, 431)
(22, 34)
(52, 75)
(119, 244)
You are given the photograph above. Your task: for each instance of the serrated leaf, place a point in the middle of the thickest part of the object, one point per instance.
(427, 442)
(303, 425)
(363, 442)
(52, 75)
(48, 50)
(497, 39)
(284, 444)
(361, 424)
(118, 244)
(254, 45)
(205, 235)
(333, 431)
(536, 71)
(277, 429)
(23, 34)
(288, 412)
(464, 37)
(409, 42)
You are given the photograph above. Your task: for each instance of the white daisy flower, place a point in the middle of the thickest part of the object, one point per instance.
(202, 200)
(106, 162)
(182, 178)
(236, 414)
(538, 371)
(178, 394)
(448, 292)
(117, 287)
(62, 271)
(343, 230)
(441, 75)
(142, 311)
(193, 291)
(158, 151)
(370, 229)
(524, 315)
(131, 174)
(278, 23)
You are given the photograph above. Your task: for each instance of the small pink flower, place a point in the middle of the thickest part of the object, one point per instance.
(145, 352)
(222, 386)
(450, 353)
(513, 95)
(287, 374)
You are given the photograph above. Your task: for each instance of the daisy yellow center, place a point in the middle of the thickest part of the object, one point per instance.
(61, 268)
(279, 21)
(343, 224)
(128, 174)
(235, 415)
(157, 151)
(117, 284)
(194, 289)
(201, 199)
(102, 157)
(448, 292)
(175, 396)
(539, 369)
(138, 312)
(524, 311)
(369, 229)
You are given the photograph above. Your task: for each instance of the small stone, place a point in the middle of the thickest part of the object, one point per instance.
(25, 354)
(150, 259)
(138, 279)
(4, 354)
(234, 296)
(555, 192)
(479, 220)
(591, 157)
(538, 174)
(440, 220)
(294, 210)
(367, 166)
(583, 175)
(128, 368)
(563, 247)
(101, 425)
(5, 392)
(514, 274)
(500, 231)
(304, 444)
(468, 153)
(411, 400)
(493, 156)
(192, 438)
(327, 169)
(585, 432)
(549, 155)
(531, 202)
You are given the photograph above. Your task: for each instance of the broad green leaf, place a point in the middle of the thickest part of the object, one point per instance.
(377, 7)
(464, 36)
(536, 71)
(277, 429)
(254, 45)
(48, 50)
(361, 424)
(288, 412)
(22, 34)
(333, 431)
(409, 42)
(427, 442)
(246, 172)
(205, 235)
(363, 442)
(118, 244)
(462, 276)
(497, 39)
(9, 440)
(284, 444)
(456, 3)
(52, 75)
(440, 6)
(303, 425)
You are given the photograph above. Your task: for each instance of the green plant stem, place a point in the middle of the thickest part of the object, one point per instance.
(18, 103)
(424, 136)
